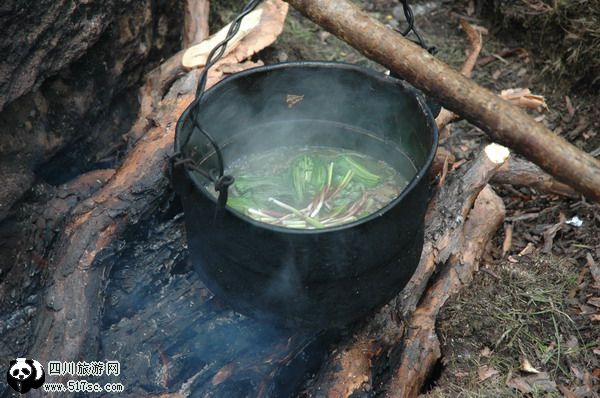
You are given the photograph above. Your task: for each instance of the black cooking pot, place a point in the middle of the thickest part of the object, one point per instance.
(322, 277)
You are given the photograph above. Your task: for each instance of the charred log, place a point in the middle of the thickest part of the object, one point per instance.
(67, 84)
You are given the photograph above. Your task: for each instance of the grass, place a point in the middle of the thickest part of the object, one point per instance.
(522, 315)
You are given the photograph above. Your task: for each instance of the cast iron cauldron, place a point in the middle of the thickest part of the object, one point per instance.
(307, 278)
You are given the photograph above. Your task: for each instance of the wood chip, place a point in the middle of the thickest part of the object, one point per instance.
(530, 248)
(513, 260)
(595, 301)
(527, 367)
(524, 98)
(508, 234)
(550, 233)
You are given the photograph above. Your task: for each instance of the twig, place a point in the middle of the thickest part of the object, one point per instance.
(475, 41)
(195, 28)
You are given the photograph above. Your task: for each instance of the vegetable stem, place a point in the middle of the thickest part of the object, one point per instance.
(310, 220)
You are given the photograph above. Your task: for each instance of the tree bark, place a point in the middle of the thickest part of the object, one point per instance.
(503, 122)
(67, 84)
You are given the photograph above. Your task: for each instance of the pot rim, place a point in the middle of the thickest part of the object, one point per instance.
(421, 172)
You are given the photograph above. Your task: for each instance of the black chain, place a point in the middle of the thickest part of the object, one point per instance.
(220, 181)
(410, 20)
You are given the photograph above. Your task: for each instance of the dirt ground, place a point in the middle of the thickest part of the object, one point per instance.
(529, 324)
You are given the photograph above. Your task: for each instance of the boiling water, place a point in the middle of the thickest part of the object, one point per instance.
(311, 187)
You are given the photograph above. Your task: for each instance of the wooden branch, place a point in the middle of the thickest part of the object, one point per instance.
(65, 330)
(350, 369)
(515, 171)
(444, 220)
(151, 93)
(442, 157)
(475, 41)
(503, 122)
(195, 28)
(421, 348)
(198, 55)
(519, 172)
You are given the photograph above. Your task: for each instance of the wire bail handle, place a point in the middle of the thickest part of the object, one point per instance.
(217, 176)
(410, 20)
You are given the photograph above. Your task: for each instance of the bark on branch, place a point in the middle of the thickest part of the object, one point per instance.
(503, 122)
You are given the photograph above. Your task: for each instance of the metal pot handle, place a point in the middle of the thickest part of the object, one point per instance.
(221, 181)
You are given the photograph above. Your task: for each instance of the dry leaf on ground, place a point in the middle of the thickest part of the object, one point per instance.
(595, 301)
(485, 372)
(536, 382)
(594, 268)
(566, 392)
(485, 352)
(550, 233)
